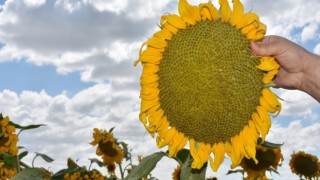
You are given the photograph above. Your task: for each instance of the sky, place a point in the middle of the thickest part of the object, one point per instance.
(69, 64)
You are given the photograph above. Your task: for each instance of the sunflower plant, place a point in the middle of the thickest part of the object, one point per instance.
(201, 84)
(305, 165)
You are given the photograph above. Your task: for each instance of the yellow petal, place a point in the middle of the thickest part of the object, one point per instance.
(269, 76)
(251, 27)
(164, 33)
(170, 28)
(218, 150)
(189, 13)
(246, 20)
(266, 105)
(271, 99)
(208, 10)
(225, 10)
(237, 13)
(268, 65)
(193, 151)
(174, 20)
(156, 42)
(264, 116)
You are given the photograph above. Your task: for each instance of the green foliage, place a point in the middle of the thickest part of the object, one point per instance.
(97, 161)
(182, 156)
(145, 166)
(44, 157)
(31, 174)
(187, 173)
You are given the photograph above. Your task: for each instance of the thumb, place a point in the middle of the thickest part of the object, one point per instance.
(268, 47)
(261, 49)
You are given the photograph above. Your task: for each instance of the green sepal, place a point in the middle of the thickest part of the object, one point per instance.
(111, 130)
(145, 166)
(235, 171)
(268, 144)
(23, 154)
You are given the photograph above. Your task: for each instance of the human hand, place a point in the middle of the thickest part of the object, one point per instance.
(299, 69)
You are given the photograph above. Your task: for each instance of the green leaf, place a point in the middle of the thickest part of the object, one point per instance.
(182, 156)
(23, 154)
(97, 161)
(30, 174)
(268, 144)
(187, 173)
(125, 149)
(44, 157)
(235, 171)
(33, 126)
(145, 166)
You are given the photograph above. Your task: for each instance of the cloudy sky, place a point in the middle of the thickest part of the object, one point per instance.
(69, 64)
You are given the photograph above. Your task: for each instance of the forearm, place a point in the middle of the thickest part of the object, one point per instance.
(311, 78)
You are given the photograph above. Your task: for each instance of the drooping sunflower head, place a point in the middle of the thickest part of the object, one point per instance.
(305, 165)
(267, 158)
(201, 83)
(8, 137)
(108, 148)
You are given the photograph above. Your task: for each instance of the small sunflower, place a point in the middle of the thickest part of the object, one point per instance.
(91, 175)
(111, 168)
(107, 147)
(176, 173)
(267, 157)
(8, 137)
(305, 165)
(6, 171)
(202, 84)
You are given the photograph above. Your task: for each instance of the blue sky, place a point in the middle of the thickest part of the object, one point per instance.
(69, 64)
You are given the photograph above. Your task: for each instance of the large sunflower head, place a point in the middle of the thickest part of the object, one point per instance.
(305, 165)
(201, 83)
(8, 137)
(108, 148)
(267, 158)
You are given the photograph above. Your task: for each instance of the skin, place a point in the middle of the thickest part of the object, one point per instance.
(299, 69)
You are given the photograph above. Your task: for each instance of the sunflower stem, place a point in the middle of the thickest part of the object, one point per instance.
(17, 164)
(121, 171)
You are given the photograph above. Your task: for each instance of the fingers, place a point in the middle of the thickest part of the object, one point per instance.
(270, 46)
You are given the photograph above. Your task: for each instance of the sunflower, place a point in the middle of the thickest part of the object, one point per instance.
(107, 147)
(176, 173)
(8, 137)
(202, 84)
(6, 171)
(267, 157)
(91, 175)
(111, 168)
(304, 164)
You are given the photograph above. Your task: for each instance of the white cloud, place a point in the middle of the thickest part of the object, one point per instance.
(34, 3)
(297, 103)
(309, 32)
(116, 6)
(316, 50)
(100, 39)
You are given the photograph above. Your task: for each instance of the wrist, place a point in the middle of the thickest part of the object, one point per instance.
(311, 76)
